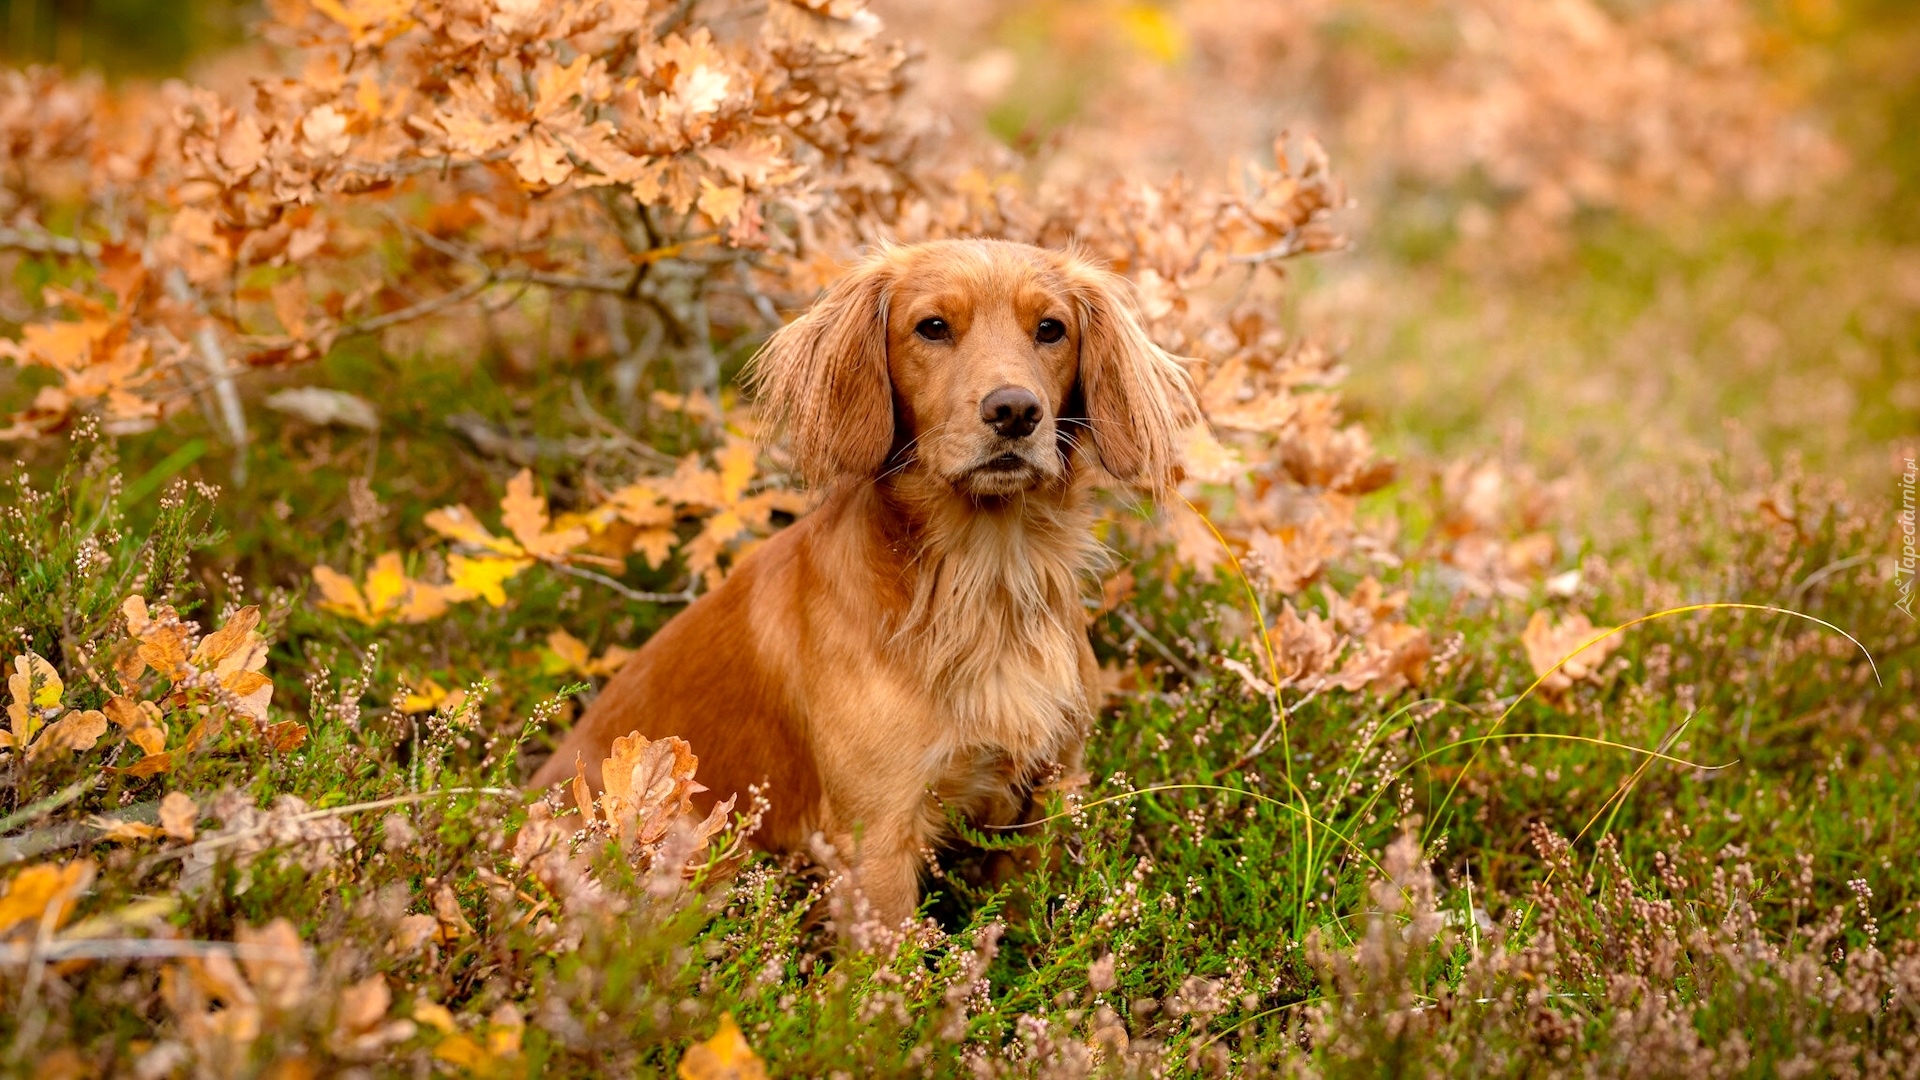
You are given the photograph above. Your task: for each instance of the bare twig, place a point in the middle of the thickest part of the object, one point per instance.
(17, 953)
(232, 414)
(1264, 742)
(1141, 632)
(228, 839)
(1289, 246)
(613, 431)
(685, 596)
(41, 242)
(220, 373)
(423, 308)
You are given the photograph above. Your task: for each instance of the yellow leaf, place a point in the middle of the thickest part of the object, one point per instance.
(424, 602)
(554, 84)
(540, 161)
(457, 523)
(482, 577)
(250, 693)
(1155, 31)
(656, 545)
(648, 783)
(524, 513)
(461, 1051)
(135, 609)
(434, 1015)
(151, 765)
(582, 791)
(1206, 459)
(285, 736)
(1564, 643)
(424, 698)
(692, 484)
(695, 404)
(736, 462)
(611, 661)
(722, 527)
(44, 888)
(36, 689)
(75, 731)
(569, 649)
(504, 1030)
(235, 646)
(125, 832)
(341, 596)
(277, 963)
(640, 504)
(722, 204)
(389, 594)
(758, 510)
(164, 649)
(140, 720)
(386, 583)
(703, 556)
(726, 1056)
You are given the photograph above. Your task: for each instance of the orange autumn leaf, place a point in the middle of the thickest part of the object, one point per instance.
(285, 736)
(389, 594)
(524, 513)
(141, 720)
(459, 524)
(724, 1056)
(573, 655)
(1549, 642)
(43, 892)
(648, 782)
(35, 726)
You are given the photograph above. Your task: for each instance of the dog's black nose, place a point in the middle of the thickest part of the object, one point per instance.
(1012, 411)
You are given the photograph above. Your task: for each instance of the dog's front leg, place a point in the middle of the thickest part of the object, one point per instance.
(886, 875)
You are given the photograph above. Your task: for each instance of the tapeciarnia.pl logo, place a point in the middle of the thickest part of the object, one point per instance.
(1903, 565)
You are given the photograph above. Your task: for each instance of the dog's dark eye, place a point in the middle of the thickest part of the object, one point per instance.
(934, 329)
(1049, 331)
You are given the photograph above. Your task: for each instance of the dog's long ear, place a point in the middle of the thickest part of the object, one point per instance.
(823, 378)
(1137, 396)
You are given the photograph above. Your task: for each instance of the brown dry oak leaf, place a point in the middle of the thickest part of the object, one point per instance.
(1565, 651)
(33, 729)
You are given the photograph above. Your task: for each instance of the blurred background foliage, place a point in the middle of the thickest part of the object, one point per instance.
(121, 38)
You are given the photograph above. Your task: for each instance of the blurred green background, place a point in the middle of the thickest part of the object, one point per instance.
(120, 37)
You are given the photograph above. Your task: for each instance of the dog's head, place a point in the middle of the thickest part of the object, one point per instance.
(981, 363)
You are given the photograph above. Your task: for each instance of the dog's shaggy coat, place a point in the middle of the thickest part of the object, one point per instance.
(918, 641)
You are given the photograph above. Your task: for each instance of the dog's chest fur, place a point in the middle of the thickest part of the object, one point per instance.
(995, 634)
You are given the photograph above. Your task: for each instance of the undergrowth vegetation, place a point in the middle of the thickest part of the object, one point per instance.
(364, 416)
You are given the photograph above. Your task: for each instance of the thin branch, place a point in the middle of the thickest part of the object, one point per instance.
(423, 308)
(227, 839)
(1292, 244)
(685, 596)
(1141, 632)
(213, 357)
(41, 242)
(17, 953)
(1264, 742)
(614, 431)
